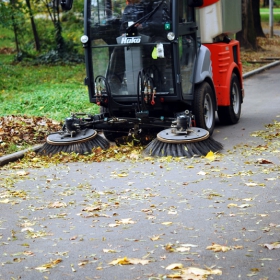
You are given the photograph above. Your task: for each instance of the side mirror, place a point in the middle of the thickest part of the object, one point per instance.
(66, 5)
(195, 3)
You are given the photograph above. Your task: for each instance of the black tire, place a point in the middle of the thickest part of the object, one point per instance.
(231, 114)
(204, 107)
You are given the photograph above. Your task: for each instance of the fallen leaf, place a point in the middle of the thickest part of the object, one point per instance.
(189, 245)
(155, 237)
(195, 273)
(109, 251)
(127, 261)
(264, 161)
(174, 266)
(22, 173)
(218, 248)
(251, 184)
(211, 156)
(202, 173)
(82, 263)
(246, 205)
(166, 223)
(73, 237)
(182, 249)
(5, 201)
(113, 225)
(125, 221)
(91, 209)
(232, 205)
(174, 276)
(123, 174)
(275, 245)
(49, 265)
(57, 204)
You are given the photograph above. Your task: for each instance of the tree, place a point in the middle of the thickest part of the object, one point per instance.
(265, 3)
(53, 10)
(12, 17)
(257, 18)
(247, 36)
(34, 29)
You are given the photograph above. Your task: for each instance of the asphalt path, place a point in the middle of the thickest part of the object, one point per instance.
(70, 221)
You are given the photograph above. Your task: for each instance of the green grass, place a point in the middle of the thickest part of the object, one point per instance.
(6, 38)
(44, 90)
(51, 91)
(265, 14)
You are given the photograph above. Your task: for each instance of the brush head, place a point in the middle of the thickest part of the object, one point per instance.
(82, 143)
(191, 142)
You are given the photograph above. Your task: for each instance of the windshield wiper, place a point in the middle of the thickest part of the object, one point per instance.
(132, 29)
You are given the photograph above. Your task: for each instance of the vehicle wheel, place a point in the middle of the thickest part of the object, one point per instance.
(204, 107)
(231, 114)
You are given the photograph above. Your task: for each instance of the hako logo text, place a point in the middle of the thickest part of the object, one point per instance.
(131, 40)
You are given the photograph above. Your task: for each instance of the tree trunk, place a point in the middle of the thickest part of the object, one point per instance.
(34, 29)
(16, 35)
(247, 36)
(265, 3)
(257, 18)
(15, 25)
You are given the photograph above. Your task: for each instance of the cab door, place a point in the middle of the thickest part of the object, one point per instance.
(187, 44)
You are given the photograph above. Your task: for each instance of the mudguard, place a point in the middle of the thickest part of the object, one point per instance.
(203, 67)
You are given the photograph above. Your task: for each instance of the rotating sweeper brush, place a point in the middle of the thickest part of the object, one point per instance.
(76, 136)
(182, 140)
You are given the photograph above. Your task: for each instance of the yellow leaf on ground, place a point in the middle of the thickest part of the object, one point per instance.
(210, 156)
(126, 261)
(109, 251)
(57, 204)
(218, 248)
(122, 261)
(123, 175)
(232, 205)
(155, 237)
(198, 273)
(49, 265)
(174, 266)
(166, 223)
(174, 276)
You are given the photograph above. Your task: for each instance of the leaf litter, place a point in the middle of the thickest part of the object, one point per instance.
(181, 271)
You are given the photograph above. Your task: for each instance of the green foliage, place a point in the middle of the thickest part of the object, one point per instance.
(59, 38)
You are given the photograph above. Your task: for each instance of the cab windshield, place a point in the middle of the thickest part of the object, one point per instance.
(130, 46)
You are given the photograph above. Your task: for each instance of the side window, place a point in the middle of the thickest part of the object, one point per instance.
(185, 12)
(187, 55)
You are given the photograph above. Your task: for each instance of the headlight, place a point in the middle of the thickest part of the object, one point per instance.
(170, 36)
(84, 39)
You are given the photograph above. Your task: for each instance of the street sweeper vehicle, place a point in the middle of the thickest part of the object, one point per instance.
(159, 70)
